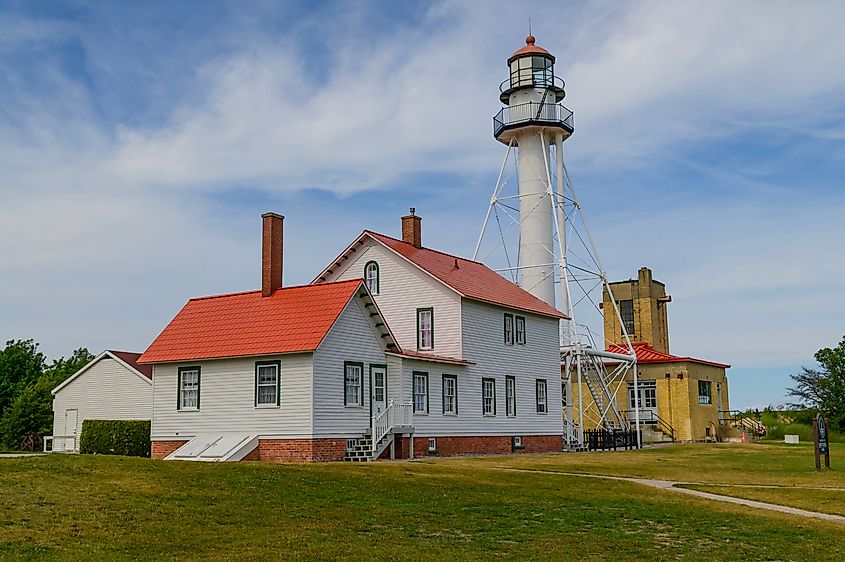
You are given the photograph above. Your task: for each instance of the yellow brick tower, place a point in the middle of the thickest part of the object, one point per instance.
(642, 306)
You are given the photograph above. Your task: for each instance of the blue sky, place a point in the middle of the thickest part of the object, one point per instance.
(140, 142)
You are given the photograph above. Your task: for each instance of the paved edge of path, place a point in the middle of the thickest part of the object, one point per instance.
(672, 486)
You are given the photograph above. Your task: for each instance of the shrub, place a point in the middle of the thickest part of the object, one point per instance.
(115, 437)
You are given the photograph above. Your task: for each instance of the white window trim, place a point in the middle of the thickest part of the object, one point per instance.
(276, 386)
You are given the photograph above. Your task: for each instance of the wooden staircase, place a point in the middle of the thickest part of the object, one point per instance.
(394, 420)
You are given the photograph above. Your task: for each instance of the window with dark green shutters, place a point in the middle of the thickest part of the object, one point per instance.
(353, 384)
(542, 398)
(450, 394)
(267, 383)
(420, 392)
(508, 329)
(519, 323)
(510, 395)
(488, 397)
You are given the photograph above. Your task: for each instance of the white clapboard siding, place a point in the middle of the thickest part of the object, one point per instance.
(351, 338)
(484, 344)
(227, 399)
(403, 288)
(107, 390)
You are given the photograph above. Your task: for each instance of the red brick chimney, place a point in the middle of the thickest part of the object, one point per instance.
(412, 229)
(271, 253)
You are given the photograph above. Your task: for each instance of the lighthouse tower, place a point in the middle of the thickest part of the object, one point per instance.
(532, 122)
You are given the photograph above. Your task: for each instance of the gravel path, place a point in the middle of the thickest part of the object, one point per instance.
(671, 486)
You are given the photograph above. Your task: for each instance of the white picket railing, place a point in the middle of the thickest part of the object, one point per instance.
(396, 414)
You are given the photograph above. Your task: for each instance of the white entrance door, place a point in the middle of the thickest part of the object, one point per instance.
(71, 419)
(378, 388)
(647, 400)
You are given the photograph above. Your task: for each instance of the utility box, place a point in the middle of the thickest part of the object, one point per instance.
(791, 439)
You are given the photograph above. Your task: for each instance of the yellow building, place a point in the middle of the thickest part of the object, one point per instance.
(680, 398)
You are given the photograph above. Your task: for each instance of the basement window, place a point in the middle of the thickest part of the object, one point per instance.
(432, 445)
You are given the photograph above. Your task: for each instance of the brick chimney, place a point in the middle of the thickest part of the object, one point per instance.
(412, 229)
(271, 253)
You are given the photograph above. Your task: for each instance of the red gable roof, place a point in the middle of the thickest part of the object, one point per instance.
(131, 359)
(292, 319)
(471, 279)
(647, 354)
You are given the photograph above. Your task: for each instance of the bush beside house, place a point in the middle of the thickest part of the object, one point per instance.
(116, 437)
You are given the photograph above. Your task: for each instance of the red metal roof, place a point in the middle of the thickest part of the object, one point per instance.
(529, 47)
(293, 319)
(647, 354)
(471, 279)
(131, 359)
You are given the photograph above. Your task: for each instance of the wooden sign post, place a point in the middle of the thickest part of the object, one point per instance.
(821, 442)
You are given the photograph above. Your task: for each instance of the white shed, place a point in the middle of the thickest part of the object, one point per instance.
(111, 387)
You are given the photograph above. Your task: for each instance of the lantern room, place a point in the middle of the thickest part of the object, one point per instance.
(531, 67)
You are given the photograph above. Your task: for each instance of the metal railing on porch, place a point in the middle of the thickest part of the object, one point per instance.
(650, 417)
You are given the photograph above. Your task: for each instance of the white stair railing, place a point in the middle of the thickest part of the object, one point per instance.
(396, 414)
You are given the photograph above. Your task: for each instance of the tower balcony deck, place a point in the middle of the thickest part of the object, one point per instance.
(532, 113)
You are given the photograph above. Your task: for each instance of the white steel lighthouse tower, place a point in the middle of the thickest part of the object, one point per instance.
(539, 230)
(532, 121)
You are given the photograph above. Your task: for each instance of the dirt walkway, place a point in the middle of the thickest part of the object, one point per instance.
(671, 486)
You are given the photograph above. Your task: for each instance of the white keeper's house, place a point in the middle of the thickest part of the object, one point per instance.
(394, 349)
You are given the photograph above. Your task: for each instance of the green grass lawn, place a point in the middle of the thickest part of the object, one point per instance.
(86, 507)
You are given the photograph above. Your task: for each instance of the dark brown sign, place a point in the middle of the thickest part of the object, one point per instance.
(821, 441)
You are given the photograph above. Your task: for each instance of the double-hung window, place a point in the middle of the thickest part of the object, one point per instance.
(420, 393)
(542, 399)
(488, 397)
(450, 394)
(519, 322)
(267, 381)
(352, 381)
(508, 329)
(510, 395)
(705, 395)
(371, 277)
(189, 388)
(425, 328)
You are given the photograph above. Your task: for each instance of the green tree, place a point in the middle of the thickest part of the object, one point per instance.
(21, 364)
(823, 389)
(31, 411)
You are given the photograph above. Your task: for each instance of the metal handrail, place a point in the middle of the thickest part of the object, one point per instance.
(647, 416)
(556, 82)
(533, 111)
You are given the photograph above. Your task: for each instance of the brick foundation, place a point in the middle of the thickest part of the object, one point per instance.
(300, 450)
(480, 445)
(160, 449)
